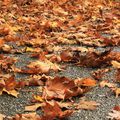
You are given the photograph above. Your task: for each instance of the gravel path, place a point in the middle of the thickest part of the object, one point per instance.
(10, 105)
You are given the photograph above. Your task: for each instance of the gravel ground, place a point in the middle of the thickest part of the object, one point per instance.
(10, 105)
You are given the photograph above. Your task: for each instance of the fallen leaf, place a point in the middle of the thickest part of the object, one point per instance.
(6, 48)
(29, 116)
(50, 110)
(98, 74)
(28, 49)
(117, 108)
(8, 85)
(116, 91)
(41, 1)
(94, 59)
(117, 76)
(7, 2)
(11, 92)
(87, 105)
(38, 98)
(66, 56)
(44, 67)
(62, 88)
(88, 82)
(115, 64)
(65, 104)
(4, 30)
(1, 42)
(33, 107)
(114, 115)
(106, 83)
(2, 117)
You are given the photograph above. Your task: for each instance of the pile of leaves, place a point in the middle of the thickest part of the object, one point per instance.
(53, 33)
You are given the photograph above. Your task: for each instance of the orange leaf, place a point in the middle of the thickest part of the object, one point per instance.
(1, 42)
(88, 82)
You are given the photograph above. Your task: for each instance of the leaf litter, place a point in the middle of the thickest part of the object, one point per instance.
(54, 33)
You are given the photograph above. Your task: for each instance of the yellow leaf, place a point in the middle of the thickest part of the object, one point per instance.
(38, 98)
(54, 24)
(11, 92)
(117, 91)
(1, 92)
(2, 117)
(115, 64)
(28, 49)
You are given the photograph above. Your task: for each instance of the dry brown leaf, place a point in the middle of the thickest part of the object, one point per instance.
(41, 1)
(114, 115)
(44, 67)
(115, 64)
(98, 74)
(106, 83)
(118, 75)
(60, 10)
(1, 42)
(11, 92)
(88, 82)
(33, 107)
(29, 116)
(66, 56)
(51, 108)
(6, 48)
(4, 30)
(2, 117)
(116, 91)
(94, 59)
(8, 85)
(87, 105)
(27, 71)
(36, 42)
(62, 88)
(65, 104)
(117, 108)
